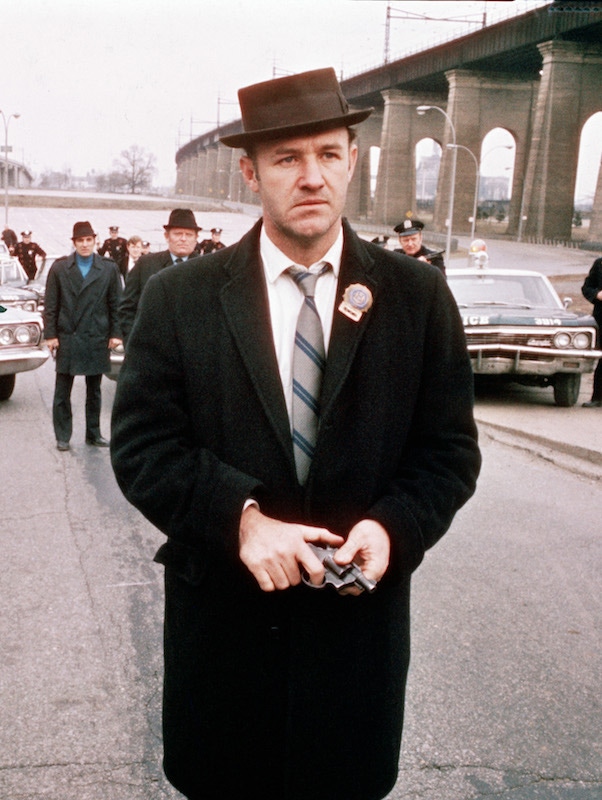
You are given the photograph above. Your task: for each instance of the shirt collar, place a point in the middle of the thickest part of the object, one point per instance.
(275, 262)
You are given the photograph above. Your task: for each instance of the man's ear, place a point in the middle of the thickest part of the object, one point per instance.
(249, 175)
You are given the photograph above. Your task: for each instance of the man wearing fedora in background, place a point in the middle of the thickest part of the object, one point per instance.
(181, 234)
(299, 390)
(410, 238)
(81, 324)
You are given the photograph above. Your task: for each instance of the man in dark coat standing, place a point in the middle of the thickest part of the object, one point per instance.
(181, 234)
(592, 291)
(81, 324)
(273, 687)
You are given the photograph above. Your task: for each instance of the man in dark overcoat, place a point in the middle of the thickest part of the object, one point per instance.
(273, 687)
(181, 234)
(81, 324)
(592, 291)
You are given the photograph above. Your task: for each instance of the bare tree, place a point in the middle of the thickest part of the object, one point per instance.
(136, 167)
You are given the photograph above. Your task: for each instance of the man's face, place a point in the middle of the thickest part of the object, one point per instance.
(180, 241)
(114, 234)
(411, 244)
(135, 249)
(302, 183)
(84, 245)
(27, 239)
(215, 237)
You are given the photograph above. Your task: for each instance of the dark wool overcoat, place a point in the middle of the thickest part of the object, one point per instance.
(83, 314)
(135, 281)
(591, 287)
(297, 694)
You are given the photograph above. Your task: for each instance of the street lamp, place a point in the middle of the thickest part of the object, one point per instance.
(476, 188)
(6, 121)
(452, 187)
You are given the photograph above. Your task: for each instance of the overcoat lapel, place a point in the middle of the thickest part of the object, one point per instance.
(346, 334)
(245, 303)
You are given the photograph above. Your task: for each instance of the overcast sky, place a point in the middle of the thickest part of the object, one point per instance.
(92, 77)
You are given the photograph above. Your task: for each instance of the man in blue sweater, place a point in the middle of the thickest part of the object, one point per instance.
(81, 325)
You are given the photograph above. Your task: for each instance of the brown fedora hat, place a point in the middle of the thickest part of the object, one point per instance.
(182, 218)
(81, 229)
(305, 103)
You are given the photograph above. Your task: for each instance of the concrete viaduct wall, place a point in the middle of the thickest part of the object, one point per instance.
(19, 177)
(545, 113)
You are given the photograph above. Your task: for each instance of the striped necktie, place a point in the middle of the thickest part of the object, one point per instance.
(309, 360)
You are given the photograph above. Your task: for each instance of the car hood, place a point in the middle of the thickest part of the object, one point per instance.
(496, 315)
(11, 294)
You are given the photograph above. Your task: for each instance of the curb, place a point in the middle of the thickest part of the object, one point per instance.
(579, 460)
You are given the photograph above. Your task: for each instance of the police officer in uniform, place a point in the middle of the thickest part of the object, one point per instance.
(115, 245)
(410, 239)
(26, 251)
(211, 245)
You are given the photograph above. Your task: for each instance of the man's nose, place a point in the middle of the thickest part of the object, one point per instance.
(311, 174)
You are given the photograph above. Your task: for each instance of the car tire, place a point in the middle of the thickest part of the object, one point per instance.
(566, 388)
(7, 384)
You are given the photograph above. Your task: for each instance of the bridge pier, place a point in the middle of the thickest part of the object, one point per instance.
(569, 93)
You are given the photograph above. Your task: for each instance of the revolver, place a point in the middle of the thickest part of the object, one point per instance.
(337, 575)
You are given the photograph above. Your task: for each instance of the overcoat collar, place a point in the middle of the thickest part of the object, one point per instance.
(245, 302)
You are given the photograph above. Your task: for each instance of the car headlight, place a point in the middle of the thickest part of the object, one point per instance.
(23, 334)
(30, 305)
(6, 336)
(562, 340)
(582, 341)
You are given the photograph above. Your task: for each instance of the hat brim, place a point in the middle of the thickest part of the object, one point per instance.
(407, 231)
(270, 134)
(184, 227)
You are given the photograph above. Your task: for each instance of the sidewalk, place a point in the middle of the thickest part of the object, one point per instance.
(528, 418)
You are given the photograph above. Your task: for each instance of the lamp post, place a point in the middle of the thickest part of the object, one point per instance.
(6, 121)
(476, 188)
(452, 187)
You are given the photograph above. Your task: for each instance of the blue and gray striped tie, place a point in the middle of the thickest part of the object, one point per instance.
(309, 361)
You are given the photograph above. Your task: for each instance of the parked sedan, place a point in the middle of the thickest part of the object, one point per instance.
(21, 347)
(517, 328)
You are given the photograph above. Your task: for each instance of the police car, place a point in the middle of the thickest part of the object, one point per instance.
(517, 327)
(21, 346)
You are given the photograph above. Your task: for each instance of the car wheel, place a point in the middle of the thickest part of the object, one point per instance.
(7, 384)
(566, 388)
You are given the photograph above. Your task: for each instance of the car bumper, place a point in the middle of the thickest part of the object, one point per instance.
(495, 359)
(22, 359)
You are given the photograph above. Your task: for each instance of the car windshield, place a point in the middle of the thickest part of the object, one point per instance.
(10, 272)
(526, 291)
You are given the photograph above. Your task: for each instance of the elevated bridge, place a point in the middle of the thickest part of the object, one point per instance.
(537, 75)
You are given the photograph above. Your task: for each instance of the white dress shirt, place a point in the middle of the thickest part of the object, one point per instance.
(285, 299)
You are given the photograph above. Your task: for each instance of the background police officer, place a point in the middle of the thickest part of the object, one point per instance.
(410, 239)
(115, 245)
(26, 251)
